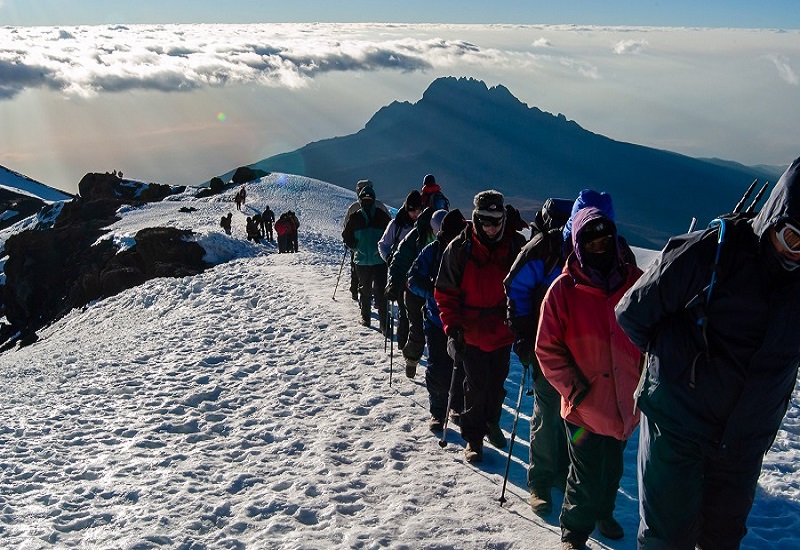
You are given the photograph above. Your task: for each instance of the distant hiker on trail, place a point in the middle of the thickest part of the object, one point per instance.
(252, 230)
(293, 236)
(286, 228)
(397, 229)
(352, 209)
(471, 297)
(439, 372)
(238, 200)
(407, 250)
(587, 358)
(267, 219)
(536, 267)
(259, 225)
(432, 196)
(723, 349)
(361, 234)
(225, 223)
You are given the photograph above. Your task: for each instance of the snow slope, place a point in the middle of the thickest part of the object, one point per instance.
(245, 408)
(16, 182)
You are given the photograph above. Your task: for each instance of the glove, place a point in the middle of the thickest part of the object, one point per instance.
(392, 292)
(455, 341)
(524, 348)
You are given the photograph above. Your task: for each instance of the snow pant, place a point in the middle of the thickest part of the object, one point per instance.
(293, 242)
(268, 231)
(353, 278)
(439, 374)
(485, 372)
(594, 474)
(283, 243)
(402, 320)
(415, 344)
(549, 460)
(693, 493)
(371, 284)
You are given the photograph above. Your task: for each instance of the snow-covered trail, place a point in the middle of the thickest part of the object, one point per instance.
(239, 408)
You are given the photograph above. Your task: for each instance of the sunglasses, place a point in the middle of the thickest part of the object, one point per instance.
(489, 221)
(789, 237)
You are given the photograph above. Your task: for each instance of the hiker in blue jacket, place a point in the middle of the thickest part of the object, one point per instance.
(720, 368)
(538, 264)
(421, 280)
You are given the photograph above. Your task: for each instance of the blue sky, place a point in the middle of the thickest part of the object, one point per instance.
(89, 86)
(706, 13)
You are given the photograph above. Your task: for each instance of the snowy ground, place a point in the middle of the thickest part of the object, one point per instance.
(245, 408)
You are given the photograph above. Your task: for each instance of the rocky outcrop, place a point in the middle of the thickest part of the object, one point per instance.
(49, 272)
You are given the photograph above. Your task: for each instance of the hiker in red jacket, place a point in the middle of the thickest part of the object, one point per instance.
(594, 366)
(472, 300)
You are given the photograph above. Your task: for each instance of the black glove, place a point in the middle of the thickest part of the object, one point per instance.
(524, 348)
(455, 341)
(392, 292)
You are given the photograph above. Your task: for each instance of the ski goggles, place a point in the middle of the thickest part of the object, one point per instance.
(490, 221)
(789, 236)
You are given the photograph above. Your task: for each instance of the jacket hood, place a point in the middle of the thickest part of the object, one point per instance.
(589, 197)
(783, 202)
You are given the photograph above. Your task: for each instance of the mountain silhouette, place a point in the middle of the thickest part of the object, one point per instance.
(473, 137)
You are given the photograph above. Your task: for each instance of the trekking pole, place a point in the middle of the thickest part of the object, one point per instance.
(443, 440)
(502, 498)
(391, 342)
(386, 333)
(340, 274)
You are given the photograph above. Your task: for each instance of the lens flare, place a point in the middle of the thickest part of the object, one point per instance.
(221, 117)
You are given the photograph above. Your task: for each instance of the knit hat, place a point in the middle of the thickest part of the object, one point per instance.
(361, 184)
(436, 220)
(428, 180)
(413, 200)
(596, 228)
(489, 204)
(452, 224)
(366, 193)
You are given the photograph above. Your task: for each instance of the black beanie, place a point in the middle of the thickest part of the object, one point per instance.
(452, 224)
(413, 200)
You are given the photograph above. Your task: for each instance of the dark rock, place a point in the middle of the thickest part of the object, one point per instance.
(49, 272)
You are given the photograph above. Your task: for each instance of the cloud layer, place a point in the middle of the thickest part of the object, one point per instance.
(88, 60)
(169, 58)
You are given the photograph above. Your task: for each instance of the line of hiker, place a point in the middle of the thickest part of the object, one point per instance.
(704, 342)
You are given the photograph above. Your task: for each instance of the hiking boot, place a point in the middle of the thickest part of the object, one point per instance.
(541, 502)
(411, 368)
(610, 528)
(354, 295)
(496, 436)
(435, 424)
(365, 322)
(474, 452)
(572, 545)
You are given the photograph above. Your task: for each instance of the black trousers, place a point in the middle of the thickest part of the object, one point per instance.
(414, 346)
(438, 375)
(594, 474)
(485, 372)
(549, 460)
(371, 284)
(693, 493)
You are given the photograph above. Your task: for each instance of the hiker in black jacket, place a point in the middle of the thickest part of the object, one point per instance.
(721, 365)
